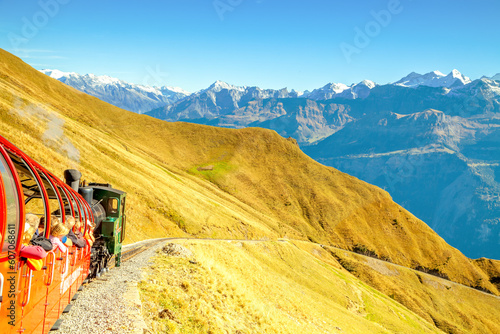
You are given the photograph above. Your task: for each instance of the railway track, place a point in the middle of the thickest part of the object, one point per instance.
(134, 250)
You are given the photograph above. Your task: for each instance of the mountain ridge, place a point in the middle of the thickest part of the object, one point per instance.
(434, 79)
(331, 90)
(133, 97)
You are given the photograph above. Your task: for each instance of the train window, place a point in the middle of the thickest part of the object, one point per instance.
(75, 206)
(33, 198)
(113, 205)
(80, 209)
(83, 225)
(12, 201)
(83, 212)
(35, 215)
(54, 201)
(65, 200)
(87, 216)
(80, 225)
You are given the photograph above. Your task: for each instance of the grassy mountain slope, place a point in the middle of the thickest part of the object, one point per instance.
(294, 287)
(265, 287)
(186, 179)
(451, 307)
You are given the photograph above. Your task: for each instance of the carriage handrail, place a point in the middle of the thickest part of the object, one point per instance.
(27, 296)
(52, 265)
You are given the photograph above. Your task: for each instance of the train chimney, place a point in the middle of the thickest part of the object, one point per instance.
(72, 177)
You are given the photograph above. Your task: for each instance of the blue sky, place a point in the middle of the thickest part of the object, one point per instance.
(267, 43)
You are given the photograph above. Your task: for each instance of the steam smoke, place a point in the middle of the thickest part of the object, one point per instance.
(54, 135)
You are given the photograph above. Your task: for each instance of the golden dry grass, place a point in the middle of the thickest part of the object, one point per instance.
(260, 186)
(451, 307)
(294, 287)
(265, 287)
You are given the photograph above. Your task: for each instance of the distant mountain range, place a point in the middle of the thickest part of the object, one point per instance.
(137, 98)
(434, 79)
(431, 140)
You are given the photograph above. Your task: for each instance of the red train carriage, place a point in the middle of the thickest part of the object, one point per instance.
(32, 300)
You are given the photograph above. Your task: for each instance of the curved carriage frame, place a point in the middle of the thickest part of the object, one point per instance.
(32, 301)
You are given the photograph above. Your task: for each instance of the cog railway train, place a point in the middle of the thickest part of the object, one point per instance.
(32, 299)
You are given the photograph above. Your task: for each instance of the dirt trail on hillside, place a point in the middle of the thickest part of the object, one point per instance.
(374, 263)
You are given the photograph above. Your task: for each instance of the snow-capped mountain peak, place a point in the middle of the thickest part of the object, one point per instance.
(438, 73)
(434, 79)
(334, 90)
(368, 83)
(175, 90)
(133, 97)
(220, 85)
(301, 94)
(328, 91)
(455, 74)
(106, 79)
(335, 87)
(56, 74)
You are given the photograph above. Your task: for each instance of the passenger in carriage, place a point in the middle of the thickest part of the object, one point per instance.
(89, 235)
(31, 251)
(41, 227)
(76, 237)
(65, 240)
(39, 237)
(33, 221)
(57, 231)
